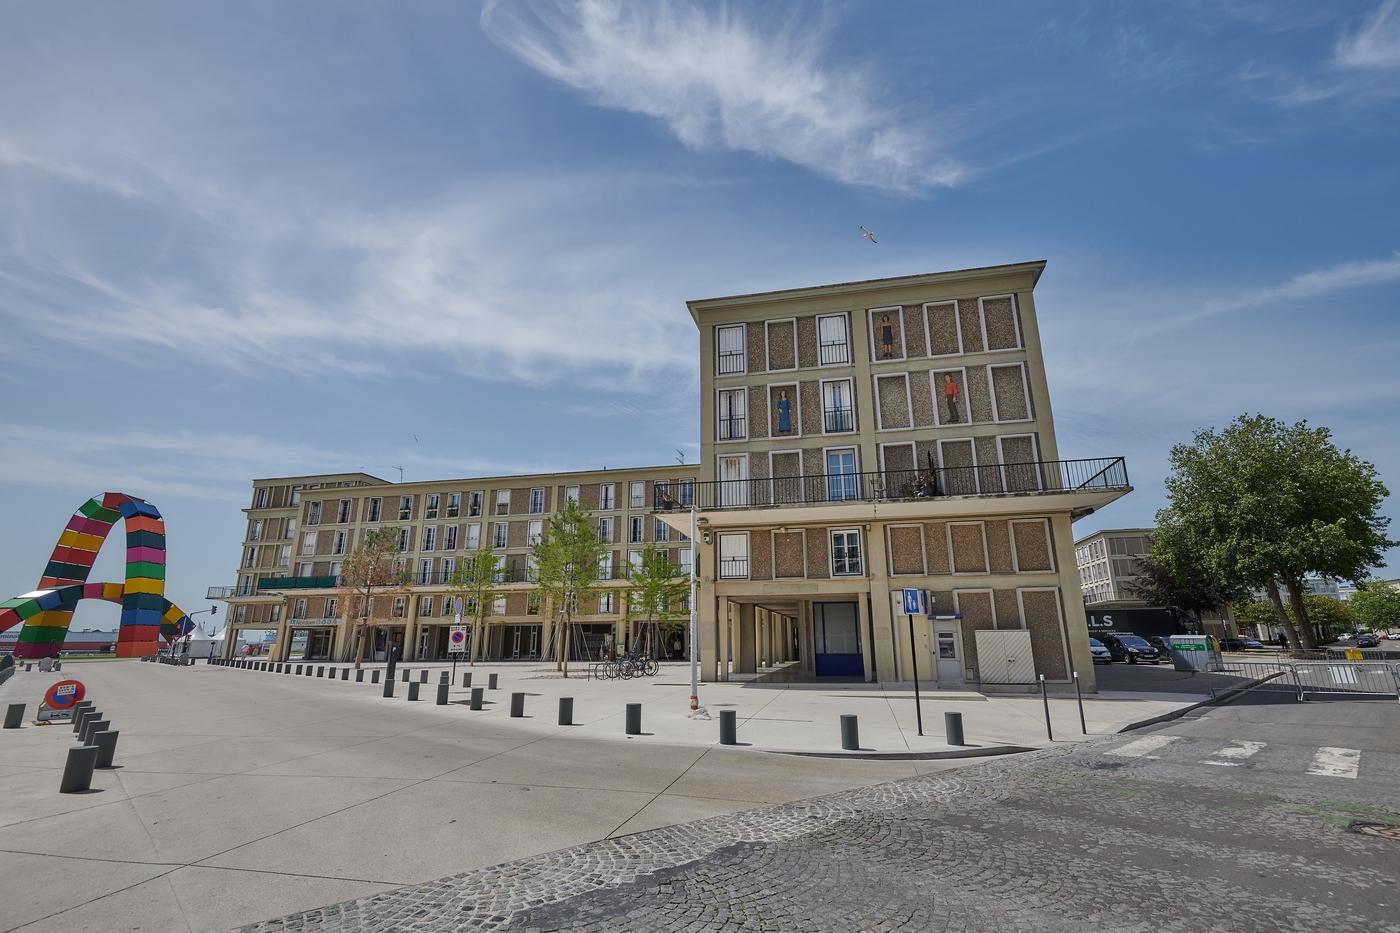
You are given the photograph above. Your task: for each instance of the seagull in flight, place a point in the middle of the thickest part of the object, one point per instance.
(868, 233)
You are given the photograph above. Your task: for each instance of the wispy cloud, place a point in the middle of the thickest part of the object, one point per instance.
(719, 81)
(1376, 44)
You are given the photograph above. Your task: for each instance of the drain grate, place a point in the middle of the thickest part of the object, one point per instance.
(1384, 830)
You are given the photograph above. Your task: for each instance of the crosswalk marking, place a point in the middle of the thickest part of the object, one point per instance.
(1336, 762)
(1234, 754)
(1140, 748)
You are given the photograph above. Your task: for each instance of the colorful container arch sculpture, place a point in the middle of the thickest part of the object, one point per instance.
(146, 613)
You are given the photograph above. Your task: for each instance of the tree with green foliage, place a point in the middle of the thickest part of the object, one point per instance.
(1248, 615)
(1171, 579)
(474, 582)
(656, 590)
(372, 568)
(1262, 504)
(1330, 617)
(566, 559)
(1376, 606)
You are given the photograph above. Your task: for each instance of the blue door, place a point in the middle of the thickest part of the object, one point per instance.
(836, 637)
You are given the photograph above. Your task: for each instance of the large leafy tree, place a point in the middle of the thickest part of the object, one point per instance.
(371, 569)
(474, 582)
(1376, 606)
(566, 559)
(656, 590)
(1262, 504)
(1330, 616)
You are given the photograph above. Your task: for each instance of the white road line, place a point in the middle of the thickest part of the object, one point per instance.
(1234, 754)
(1139, 748)
(1336, 762)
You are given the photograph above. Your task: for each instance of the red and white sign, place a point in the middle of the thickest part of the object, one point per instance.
(457, 640)
(64, 694)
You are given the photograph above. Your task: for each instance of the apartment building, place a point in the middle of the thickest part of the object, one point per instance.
(857, 440)
(301, 528)
(862, 438)
(1107, 563)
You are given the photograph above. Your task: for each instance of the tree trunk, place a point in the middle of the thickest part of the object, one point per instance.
(360, 651)
(567, 639)
(1300, 611)
(1284, 619)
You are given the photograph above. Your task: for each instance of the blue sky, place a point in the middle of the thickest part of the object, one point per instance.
(270, 238)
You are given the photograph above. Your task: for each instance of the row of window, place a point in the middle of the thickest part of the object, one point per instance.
(844, 554)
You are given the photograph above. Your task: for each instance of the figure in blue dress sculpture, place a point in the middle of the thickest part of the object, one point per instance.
(784, 413)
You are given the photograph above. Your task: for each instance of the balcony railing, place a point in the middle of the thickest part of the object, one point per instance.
(995, 479)
(838, 420)
(832, 352)
(297, 583)
(222, 592)
(733, 429)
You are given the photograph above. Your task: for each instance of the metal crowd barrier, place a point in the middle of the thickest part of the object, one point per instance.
(1333, 676)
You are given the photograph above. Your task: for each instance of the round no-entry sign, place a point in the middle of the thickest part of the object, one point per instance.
(458, 636)
(64, 694)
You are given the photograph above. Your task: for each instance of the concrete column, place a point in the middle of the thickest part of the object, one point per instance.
(867, 655)
(725, 625)
(806, 649)
(707, 630)
(760, 624)
(877, 635)
(746, 632)
(410, 631)
(1076, 625)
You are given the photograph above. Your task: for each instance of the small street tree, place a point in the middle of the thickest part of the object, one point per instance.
(1167, 579)
(657, 588)
(474, 582)
(372, 569)
(1376, 606)
(566, 559)
(1262, 504)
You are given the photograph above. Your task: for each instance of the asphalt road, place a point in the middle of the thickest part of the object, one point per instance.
(1266, 814)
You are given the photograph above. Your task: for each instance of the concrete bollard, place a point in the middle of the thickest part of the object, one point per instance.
(345, 673)
(14, 715)
(466, 680)
(850, 733)
(566, 711)
(330, 673)
(360, 676)
(422, 677)
(91, 726)
(728, 727)
(58, 665)
(634, 719)
(442, 693)
(491, 681)
(952, 728)
(298, 669)
(77, 770)
(82, 716)
(78, 710)
(413, 691)
(374, 677)
(517, 705)
(106, 743)
(477, 694)
(388, 686)
(445, 677)
(28, 668)
(310, 670)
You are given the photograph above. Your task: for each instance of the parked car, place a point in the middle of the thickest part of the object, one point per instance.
(1099, 651)
(1367, 640)
(1135, 648)
(1394, 636)
(1236, 644)
(1164, 648)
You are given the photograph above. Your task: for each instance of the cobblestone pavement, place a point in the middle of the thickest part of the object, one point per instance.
(1170, 830)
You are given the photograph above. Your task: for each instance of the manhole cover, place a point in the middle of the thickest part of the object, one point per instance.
(1384, 830)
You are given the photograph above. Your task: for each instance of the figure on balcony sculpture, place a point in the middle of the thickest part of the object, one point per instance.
(886, 337)
(146, 613)
(784, 413)
(950, 395)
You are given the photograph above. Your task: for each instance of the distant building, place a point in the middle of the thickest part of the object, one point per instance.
(1312, 586)
(91, 641)
(1107, 562)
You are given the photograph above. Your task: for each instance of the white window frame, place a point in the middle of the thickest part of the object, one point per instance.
(851, 390)
(636, 529)
(743, 330)
(636, 499)
(250, 557)
(897, 312)
(986, 551)
(831, 552)
(827, 474)
(403, 540)
(928, 329)
(476, 500)
(634, 560)
(425, 571)
(684, 559)
(454, 504)
(846, 324)
(607, 526)
(425, 607)
(502, 499)
(343, 509)
(256, 532)
(908, 401)
(607, 603)
(796, 396)
(340, 543)
(571, 494)
(537, 500)
(1001, 455)
(289, 531)
(720, 557)
(313, 513)
(405, 508)
(473, 541)
(500, 535)
(738, 495)
(660, 531)
(1049, 543)
(743, 417)
(1015, 321)
(431, 504)
(308, 544)
(1025, 393)
(304, 569)
(534, 531)
(768, 343)
(923, 549)
(260, 497)
(375, 509)
(330, 607)
(499, 606)
(449, 538)
(284, 555)
(296, 496)
(607, 496)
(605, 565)
(936, 388)
(429, 538)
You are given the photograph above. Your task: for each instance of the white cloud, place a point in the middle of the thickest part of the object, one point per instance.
(719, 82)
(1377, 43)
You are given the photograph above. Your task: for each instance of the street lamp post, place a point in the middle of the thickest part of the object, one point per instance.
(694, 610)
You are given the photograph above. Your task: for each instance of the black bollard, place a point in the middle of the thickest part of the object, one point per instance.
(106, 743)
(466, 680)
(388, 686)
(298, 668)
(517, 705)
(728, 727)
(952, 728)
(422, 677)
(476, 697)
(374, 677)
(413, 691)
(14, 715)
(566, 711)
(850, 733)
(405, 675)
(345, 673)
(444, 678)
(77, 770)
(491, 681)
(28, 668)
(442, 694)
(91, 726)
(330, 672)
(360, 676)
(634, 719)
(310, 670)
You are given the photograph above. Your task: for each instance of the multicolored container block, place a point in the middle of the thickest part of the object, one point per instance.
(146, 613)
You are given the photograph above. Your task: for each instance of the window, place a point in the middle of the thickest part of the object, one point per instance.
(299, 609)
(291, 530)
(473, 536)
(260, 497)
(842, 481)
(605, 566)
(634, 561)
(605, 496)
(733, 556)
(296, 495)
(636, 529)
(255, 534)
(431, 507)
(605, 530)
(686, 556)
(502, 501)
(833, 340)
(405, 508)
(473, 504)
(275, 615)
(571, 494)
(425, 605)
(308, 544)
(329, 612)
(687, 492)
(729, 357)
(449, 538)
(537, 500)
(335, 569)
(730, 413)
(607, 603)
(313, 513)
(449, 569)
(430, 538)
(637, 494)
(400, 607)
(240, 615)
(663, 531)
(376, 506)
(534, 532)
(498, 606)
(342, 512)
(837, 411)
(454, 504)
(250, 556)
(425, 570)
(403, 540)
(304, 569)
(284, 555)
(498, 534)
(341, 539)
(447, 606)
(845, 553)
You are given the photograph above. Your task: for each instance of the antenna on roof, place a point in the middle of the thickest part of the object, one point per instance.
(400, 469)
(680, 457)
